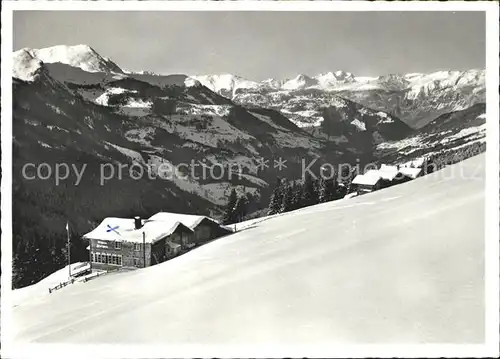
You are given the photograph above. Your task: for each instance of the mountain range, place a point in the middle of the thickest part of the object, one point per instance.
(72, 105)
(416, 98)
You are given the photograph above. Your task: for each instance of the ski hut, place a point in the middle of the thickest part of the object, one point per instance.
(136, 243)
(203, 227)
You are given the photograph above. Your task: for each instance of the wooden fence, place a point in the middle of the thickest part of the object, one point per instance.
(86, 279)
(61, 285)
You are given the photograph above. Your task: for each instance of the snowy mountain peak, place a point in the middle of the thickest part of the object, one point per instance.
(272, 83)
(327, 75)
(331, 79)
(191, 82)
(82, 56)
(225, 84)
(302, 77)
(25, 66)
(299, 82)
(337, 76)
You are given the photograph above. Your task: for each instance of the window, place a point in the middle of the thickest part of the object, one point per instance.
(92, 257)
(104, 258)
(118, 245)
(137, 246)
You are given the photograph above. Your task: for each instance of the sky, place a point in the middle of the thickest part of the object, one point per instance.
(259, 45)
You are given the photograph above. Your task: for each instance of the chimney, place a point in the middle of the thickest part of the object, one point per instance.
(138, 222)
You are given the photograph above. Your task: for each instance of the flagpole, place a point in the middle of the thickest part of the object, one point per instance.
(69, 250)
(144, 247)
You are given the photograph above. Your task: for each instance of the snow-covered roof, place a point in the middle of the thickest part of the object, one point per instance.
(385, 172)
(189, 220)
(123, 229)
(410, 171)
(384, 167)
(370, 178)
(388, 172)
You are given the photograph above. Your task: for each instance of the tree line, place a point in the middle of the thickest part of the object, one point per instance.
(289, 196)
(451, 156)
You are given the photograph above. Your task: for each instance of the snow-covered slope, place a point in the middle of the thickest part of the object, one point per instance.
(424, 84)
(449, 131)
(402, 265)
(30, 293)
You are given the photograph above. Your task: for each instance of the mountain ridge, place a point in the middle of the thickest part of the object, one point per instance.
(416, 98)
(82, 56)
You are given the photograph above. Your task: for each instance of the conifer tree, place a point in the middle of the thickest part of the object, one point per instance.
(276, 198)
(287, 202)
(309, 192)
(230, 207)
(328, 190)
(240, 209)
(296, 195)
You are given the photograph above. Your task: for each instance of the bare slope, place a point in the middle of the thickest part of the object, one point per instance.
(403, 264)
